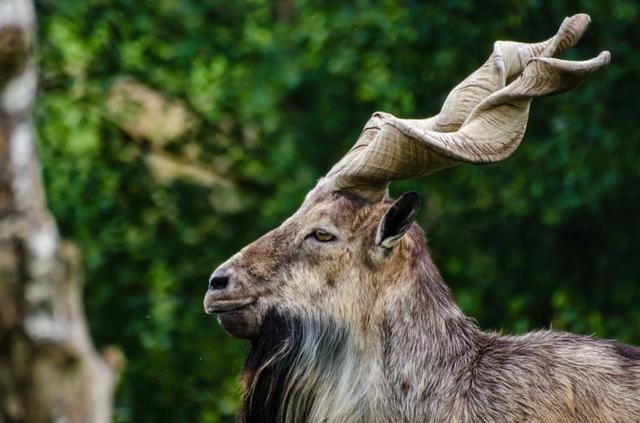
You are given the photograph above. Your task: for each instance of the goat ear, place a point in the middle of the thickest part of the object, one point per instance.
(397, 220)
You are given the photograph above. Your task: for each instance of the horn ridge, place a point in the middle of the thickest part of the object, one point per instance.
(483, 119)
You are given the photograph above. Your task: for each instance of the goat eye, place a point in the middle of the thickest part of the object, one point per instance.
(322, 236)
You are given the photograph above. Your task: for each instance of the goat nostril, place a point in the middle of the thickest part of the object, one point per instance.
(218, 282)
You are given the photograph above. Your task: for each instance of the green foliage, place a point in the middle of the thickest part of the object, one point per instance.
(281, 89)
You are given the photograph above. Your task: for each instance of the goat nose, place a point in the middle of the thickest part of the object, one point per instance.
(218, 281)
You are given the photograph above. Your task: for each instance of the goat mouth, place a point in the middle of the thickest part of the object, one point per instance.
(229, 306)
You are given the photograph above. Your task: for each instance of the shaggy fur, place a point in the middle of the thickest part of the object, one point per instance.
(347, 334)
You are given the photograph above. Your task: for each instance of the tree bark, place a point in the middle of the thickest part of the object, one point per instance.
(49, 369)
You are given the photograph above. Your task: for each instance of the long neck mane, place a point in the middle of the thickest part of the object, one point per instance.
(312, 371)
(428, 343)
(293, 368)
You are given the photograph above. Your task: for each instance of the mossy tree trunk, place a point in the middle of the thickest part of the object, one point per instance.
(49, 369)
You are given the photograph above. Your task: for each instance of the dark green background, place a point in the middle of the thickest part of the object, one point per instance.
(281, 90)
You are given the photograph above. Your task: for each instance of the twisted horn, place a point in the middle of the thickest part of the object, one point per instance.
(482, 120)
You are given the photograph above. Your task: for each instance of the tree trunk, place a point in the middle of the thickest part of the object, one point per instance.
(49, 369)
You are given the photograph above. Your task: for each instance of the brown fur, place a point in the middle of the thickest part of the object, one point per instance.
(347, 332)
